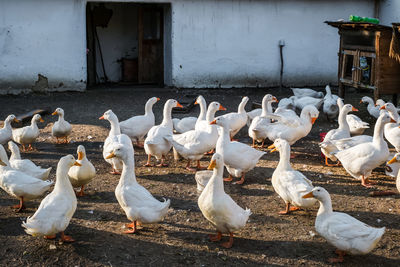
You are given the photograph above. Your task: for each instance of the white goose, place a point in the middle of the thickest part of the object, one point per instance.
(57, 208)
(236, 120)
(394, 160)
(6, 131)
(18, 184)
(138, 203)
(330, 107)
(356, 125)
(343, 131)
(79, 176)
(302, 102)
(301, 92)
(239, 158)
(27, 135)
(341, 230)
(61, 128)
(218, 207)
(189, 123)
(290, 184)
(193, 144)
(256, 132)
(137, 127)
(392, 130)
(155, 144)
(26, 165)
(292, 128)
(373, 110)
(360, 160)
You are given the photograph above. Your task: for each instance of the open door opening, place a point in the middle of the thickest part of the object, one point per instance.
(125, 43)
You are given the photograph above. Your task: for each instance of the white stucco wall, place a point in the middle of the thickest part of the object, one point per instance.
(227, 43)
(389, 11)
(46, 37)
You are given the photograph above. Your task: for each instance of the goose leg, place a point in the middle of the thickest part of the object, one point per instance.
(148, 164)
(80, 193)
(66, 238)
(254, 143)
(340, 258)
(114, 171)
(331, 165)
(49, 236)
(132, 226)
(229, 179)
(241, 181)
(188, 166)
(364, 182)
(162, 163)
(20, 206)
(66, 140)
(199, 166)
(229, 243)
(262, 144)
(212, 151)
(286, 211)
(215, 238)
(139, 145)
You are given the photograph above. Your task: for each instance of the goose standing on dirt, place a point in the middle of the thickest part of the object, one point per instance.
(27, 135)
(341, 230)
(79, 176)
(155, 143)
(330, 107)
(356, 125)
(193, 144)
(6, 131)
(18, 184)
(392, 130)
(218, 207)
(138, 203)
(137, 127)
(57, 208)
(343, 131)
(360, 160)
(189, 123)
(373, 110)
(302, 92)
(255, 131)
(236, 120)
(61, 128)
(26, 165)
(239, 158)
(290, 184)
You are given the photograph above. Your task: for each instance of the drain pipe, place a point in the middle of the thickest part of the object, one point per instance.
(281, 45)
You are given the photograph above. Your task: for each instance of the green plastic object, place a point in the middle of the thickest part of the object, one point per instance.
(363, 19)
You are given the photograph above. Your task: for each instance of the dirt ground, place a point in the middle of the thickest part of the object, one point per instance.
(181, 239)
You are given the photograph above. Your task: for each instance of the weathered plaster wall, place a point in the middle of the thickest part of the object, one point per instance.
(389, 11)
(42, 37)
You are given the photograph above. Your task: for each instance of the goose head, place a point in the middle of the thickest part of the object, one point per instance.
(59, 112)
(319, 193)
(278, 145)
(244, 101)
(221, 121)
(11, 118)
(81, 152)
(200, 99)
(153, 100)
(109, 115)
(119, 151)
(310, 111)
(389, 107)
(172, 103)
(217, 162)
(396, 158)
(67, 162)
(215, 106)
(379, 103)
(269, 98)
(348, 108)
(37, 118)
(366, 99)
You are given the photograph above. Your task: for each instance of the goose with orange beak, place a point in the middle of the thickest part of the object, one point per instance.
(343, 131)
(57, 208)
(346, 233)
(61, 128)
(189, 123)
(373, 109)
(239, 158)
(256, 129)
(27, 135)
(392, 130)
(290, 184)
(218, 207)
(155, 143)
(193, 144)
(79, 176)
(6, 131)
(138, 126)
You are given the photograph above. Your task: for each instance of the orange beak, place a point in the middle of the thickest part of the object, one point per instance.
(111, 155)
(392, 120)
(392, 160)
(213, 122)
(212, 165)
(80, 155)
(15, 119)
(77, 164)
(54, 113)
(272, 147)
(41, 120)
(221, 107)
(196, 103)
(101, 118)
(354, 109)
(275, 99)
(383, 107)
(360, 101)
(158, 99)
(313, 120)
(178, 105)
(309, 195)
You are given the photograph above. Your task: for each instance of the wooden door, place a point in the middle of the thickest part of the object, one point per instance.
(151, 48)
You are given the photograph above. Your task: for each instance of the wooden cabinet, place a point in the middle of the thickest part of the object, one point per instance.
(364, 60)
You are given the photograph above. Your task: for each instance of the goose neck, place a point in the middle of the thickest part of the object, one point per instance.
(7, 124)
(266, 108)
(62, 181)
(284, 158)
(378, 131)
(216, 180)
(148, 108)
(128, 171)
(203, 110)
(343, 125)
(167, 120)
(210, 114)
(325, 206)
(241, 107)
(115, 128)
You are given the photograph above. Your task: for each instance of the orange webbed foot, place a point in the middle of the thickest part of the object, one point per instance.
(50, 236)
(215, 238)
(66, 238)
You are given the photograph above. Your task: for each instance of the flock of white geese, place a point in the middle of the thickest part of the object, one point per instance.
(191, 138)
